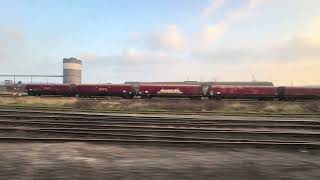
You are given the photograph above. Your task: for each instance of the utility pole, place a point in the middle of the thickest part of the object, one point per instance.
(214, 79)
(253, 78)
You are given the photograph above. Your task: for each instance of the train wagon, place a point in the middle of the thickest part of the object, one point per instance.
(243, 92)
(49, 89)
(293, 93)
(121, 90)
(169, 90)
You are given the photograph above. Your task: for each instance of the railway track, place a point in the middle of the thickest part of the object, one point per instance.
(155, 99)
(50, 126)
(60, 110)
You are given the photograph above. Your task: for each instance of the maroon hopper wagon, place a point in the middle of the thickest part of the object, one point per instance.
(49, 89)
(291, 93)
(255, 92)
(169, 90)
(122, 90)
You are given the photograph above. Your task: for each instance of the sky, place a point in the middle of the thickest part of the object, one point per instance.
(165, 40)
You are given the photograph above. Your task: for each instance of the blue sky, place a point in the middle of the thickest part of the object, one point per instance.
(167, 40)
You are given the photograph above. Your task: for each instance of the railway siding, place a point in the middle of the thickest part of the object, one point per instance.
(40, 125)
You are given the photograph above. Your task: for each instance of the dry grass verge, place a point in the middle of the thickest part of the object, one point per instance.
(167, 105)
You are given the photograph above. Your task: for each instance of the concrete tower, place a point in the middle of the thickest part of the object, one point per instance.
(71, 71)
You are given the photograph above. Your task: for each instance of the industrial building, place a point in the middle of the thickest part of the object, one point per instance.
(71, 71)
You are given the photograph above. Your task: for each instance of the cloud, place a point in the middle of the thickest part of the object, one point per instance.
(169, 39)
(244, 11)
(306, 44)
(172, 39)
(88, 56)
(128, 56)
(295, 60)
(313, 29)
(300, 72)
(131, 57)
(213, 6)
(212, 32)
(295, 49)
(225, 55)
(130, 65)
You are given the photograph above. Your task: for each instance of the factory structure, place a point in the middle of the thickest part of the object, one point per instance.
(71, 75)
(72, 71)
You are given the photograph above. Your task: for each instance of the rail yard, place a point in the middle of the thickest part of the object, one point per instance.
(65, 143)
(29, 125)
(241, 132)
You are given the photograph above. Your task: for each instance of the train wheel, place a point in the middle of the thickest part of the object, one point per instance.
(127, 96)
(216, 98)
(195, 98)
(145, 97)
(293, 99)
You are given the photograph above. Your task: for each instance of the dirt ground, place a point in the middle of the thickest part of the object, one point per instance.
(68, 161)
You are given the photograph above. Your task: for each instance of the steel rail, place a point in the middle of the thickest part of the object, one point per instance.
(66, 110)
(215, 120)
(283, 144)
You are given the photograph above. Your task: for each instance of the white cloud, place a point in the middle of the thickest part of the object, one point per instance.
(244, 11)
(255, 3)
(209, 34)
(132, 57)
(300, 72)
(133, 54)
(213, 6)
(295, 49)
(169, 39)
(88, 56)
(313, 29)
(212, 32)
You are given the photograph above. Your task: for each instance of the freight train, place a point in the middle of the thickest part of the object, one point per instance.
(198, 91)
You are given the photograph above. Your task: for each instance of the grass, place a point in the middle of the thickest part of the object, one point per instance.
(137, 105)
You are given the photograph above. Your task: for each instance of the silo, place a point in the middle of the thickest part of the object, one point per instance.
(71, 71)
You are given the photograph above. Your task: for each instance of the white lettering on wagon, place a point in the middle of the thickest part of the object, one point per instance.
(169, 91)
(102, 89)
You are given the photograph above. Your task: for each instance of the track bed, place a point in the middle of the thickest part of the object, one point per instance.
(27, 125)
